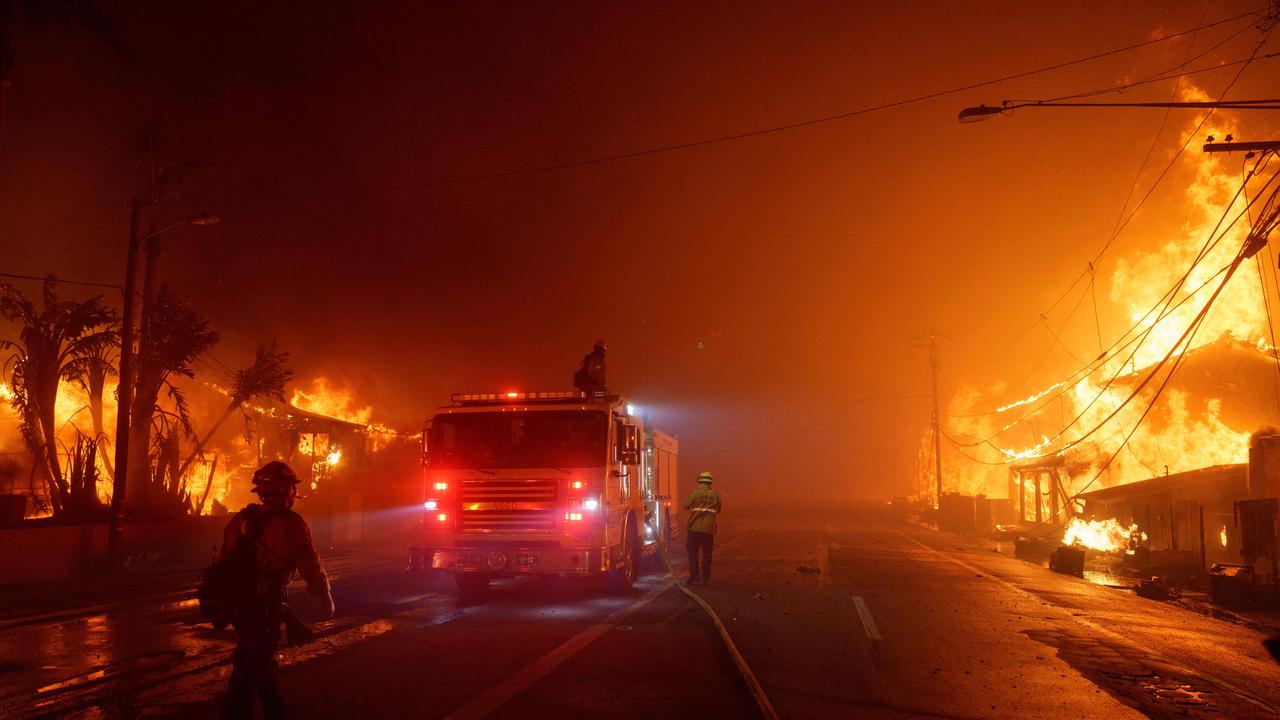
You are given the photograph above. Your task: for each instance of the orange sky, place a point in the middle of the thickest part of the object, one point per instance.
(753, 292)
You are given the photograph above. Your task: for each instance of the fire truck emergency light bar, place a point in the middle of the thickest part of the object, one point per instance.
(502, 397)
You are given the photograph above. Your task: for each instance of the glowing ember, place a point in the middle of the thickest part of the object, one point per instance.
(1102, 535)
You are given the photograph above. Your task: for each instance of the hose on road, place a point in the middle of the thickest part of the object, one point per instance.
(757, 692)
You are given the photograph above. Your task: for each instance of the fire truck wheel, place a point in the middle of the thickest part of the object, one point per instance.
(469, 583)
(624, 578)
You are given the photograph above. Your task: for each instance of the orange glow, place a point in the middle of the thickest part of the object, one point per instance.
(1102, 535)
(331, 401)
(513, 395)
(1183, 431)
(1222, 536)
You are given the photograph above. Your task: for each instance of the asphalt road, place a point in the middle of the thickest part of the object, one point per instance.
(838, 615)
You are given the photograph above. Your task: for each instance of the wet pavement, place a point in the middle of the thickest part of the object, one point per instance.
(842, 617)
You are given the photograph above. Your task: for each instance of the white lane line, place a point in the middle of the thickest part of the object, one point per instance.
(493, 698)
(868, 622)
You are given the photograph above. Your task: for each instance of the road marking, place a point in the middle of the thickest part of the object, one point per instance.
(868, 622)
(496, 696)
(1076, 618)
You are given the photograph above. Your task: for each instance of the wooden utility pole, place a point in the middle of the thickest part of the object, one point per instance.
(124, 393)
(937, 426)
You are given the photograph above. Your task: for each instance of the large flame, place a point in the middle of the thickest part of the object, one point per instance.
(334, 402)
(1103, 535)
(1181, 432)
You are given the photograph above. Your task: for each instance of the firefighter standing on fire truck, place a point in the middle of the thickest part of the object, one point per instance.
(704, 507)
(284, 546)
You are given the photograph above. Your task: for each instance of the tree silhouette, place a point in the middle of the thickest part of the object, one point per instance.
(51, 339)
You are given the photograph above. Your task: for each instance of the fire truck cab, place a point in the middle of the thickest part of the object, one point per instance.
(544, 483)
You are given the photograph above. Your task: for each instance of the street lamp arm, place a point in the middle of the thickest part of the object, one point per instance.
(983, 112)
(193, 220)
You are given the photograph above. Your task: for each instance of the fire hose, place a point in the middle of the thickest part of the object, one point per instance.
(744, 670)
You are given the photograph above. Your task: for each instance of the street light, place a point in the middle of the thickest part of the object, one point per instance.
(986, 112)
(124, 390)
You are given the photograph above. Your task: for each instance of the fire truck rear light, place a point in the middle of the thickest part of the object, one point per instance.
(576, 484)
(573, 516)
(591, 504)
(441, 486)
(430, 504)
(442, 517)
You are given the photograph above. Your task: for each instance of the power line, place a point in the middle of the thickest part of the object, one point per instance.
(1122, 224)
(59, 280)
(1091, 268)
(661, 149)
(1210, 243)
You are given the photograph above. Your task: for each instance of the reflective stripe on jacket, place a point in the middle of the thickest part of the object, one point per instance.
(704, 506)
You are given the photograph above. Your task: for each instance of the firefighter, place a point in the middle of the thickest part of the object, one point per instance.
(704, 507)
(283, 546)
(590, 375)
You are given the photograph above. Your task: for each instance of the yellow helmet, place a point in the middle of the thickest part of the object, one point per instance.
(705, 477)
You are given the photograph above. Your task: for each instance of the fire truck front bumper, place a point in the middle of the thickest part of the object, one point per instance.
(510, 561)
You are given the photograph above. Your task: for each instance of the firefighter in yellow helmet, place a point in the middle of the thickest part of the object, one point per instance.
(704, 507)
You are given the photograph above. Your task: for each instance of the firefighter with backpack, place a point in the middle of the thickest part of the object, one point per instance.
(263, 546)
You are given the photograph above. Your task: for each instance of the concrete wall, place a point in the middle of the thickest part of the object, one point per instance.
(51, 552)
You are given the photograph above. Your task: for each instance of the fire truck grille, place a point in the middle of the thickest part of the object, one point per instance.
(508, 505)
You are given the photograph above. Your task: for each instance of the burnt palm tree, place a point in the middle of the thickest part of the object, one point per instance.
(51, 338)
(265, 378)
(172, 337)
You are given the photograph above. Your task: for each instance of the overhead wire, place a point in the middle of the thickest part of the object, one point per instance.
(1122, 224)
(1229, 270)
(732, 137)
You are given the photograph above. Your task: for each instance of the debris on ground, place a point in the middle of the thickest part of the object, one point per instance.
(808, 570)
(1157, 589)
(757, 596)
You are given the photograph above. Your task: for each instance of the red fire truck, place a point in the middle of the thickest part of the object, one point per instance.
(544, 483)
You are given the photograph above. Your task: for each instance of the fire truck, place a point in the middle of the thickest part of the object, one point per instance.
(544, 483)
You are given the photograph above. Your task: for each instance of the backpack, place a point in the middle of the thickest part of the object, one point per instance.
(230, 584)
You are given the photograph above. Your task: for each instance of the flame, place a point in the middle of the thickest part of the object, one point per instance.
(1181, 432)
(6, 394)
(1102, 535)
(1222, 536)
(324, 399)
(333, 458)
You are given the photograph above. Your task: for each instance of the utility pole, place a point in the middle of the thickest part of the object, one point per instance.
(124, 394)
(937, 426)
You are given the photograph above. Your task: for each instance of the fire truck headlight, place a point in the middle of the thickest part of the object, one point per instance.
(591, 504)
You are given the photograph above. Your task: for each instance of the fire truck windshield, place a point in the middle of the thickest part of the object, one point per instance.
(552, 438)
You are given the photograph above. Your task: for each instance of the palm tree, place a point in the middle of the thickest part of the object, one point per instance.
(172, 337)
(90, 369)
(50, 340)
(265, 378)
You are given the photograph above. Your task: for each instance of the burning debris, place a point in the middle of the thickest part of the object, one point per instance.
(1103, 535)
